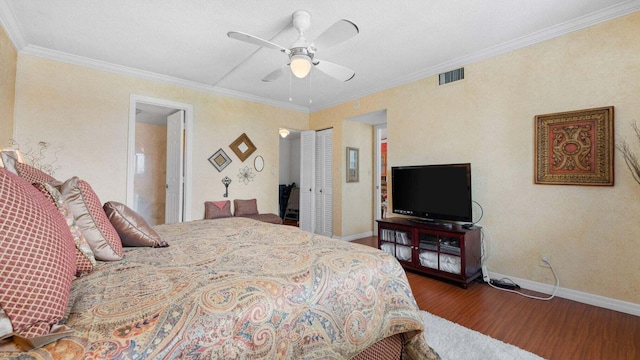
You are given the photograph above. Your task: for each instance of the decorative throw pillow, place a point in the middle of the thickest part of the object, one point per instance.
(132, 228)
(217, 209)
(85, 260)
(91, 219)
(9, 161)
(37, 258)
(245, 207)
(32, 174)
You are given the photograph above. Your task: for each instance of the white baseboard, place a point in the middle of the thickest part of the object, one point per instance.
(579, 296)
(355, 236)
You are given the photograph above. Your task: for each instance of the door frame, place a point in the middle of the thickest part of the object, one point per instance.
(377, 186)
(188, 148)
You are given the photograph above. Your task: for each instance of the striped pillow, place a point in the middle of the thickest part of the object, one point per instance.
(85, 260)
(92, 220)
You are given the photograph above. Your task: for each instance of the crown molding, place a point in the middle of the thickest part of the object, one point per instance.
(148, 75)
(11, 26)
(586, 21)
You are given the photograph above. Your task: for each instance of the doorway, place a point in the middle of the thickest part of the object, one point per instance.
(378, 120)
(158, 183)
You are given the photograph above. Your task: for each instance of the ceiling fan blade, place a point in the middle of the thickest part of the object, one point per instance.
(275, 74)
(335, 34)
(334, 70)
(256, 41)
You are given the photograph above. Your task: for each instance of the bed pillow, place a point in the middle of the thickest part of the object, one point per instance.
(132, 228)
(85, 260)
(8, 161)
(217, 209)
(91, 219)
(31, 174)
(245, 207)
(37, 258)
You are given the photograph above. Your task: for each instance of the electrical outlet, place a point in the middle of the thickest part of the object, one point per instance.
(546, 257)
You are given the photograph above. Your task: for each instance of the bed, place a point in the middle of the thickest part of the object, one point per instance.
(237, 288)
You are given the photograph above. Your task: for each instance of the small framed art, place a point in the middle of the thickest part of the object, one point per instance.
(219, 160)
(242, 147)
(352, 164)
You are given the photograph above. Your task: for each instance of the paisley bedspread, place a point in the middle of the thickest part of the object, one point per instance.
(237, 288)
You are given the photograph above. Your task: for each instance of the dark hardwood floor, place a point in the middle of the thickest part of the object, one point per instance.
(555, 329)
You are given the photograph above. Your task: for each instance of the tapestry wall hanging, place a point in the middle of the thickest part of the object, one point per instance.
(575, 147)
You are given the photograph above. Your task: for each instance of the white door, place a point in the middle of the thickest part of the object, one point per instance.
(324, 183)
(377, 193)
(307, 175)
(175, 173)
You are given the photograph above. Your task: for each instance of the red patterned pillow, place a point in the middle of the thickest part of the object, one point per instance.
(85, 260)
(91, 219)
(37, 258)
(32, 174)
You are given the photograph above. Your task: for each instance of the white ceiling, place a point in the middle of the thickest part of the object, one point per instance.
(184, 42)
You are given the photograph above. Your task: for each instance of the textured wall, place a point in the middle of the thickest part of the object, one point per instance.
(487, 119)
(8, 61)
(86, 111)
(150, 178)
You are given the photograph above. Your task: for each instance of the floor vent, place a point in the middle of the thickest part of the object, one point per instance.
(451, 76)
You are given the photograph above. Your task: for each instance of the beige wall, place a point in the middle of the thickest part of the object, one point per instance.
(589, 232)
(8, 62)
(486, 119)
(357, 197)
(86, 111)
(150, 179)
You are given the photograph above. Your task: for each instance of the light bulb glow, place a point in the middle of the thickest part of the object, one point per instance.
(300, 65)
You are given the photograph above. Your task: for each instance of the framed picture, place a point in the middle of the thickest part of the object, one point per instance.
(575, 147)
(258, 163)
(352, 164)
(242, 147)
(219, 160)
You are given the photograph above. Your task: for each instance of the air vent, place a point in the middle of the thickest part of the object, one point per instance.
(451, 76)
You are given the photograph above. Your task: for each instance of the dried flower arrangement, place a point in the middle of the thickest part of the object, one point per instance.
(629, 157)
(38, 157)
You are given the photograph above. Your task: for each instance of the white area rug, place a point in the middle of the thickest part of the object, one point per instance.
(456, 342)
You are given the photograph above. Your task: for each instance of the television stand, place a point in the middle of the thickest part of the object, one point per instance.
(431, 222)
(447, 251)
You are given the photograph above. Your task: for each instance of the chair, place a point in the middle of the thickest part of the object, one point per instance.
(293, 205)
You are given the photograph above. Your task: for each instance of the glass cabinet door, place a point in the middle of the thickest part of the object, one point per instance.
(396, 243)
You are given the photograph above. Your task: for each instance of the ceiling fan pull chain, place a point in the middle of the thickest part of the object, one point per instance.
(310, 77)
(290, 99)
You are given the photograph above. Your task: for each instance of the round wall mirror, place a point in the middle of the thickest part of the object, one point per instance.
(258, 163)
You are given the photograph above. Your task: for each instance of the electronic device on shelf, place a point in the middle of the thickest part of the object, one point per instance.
(433, 192)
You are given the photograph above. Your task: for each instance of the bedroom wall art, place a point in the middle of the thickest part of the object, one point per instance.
(219, 160)
(575, 147)
(226, 181)
(352, 165)
(258, 163)
(246, 175)
(242, 147)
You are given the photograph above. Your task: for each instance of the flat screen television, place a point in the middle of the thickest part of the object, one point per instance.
(433, 192)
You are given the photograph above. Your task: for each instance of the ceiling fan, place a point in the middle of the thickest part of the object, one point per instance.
(302, 53)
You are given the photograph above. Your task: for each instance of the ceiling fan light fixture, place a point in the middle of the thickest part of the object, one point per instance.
(283, 132)
(300, 65)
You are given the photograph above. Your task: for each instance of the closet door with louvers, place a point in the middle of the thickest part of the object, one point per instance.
(307, 175)
(324, 183)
